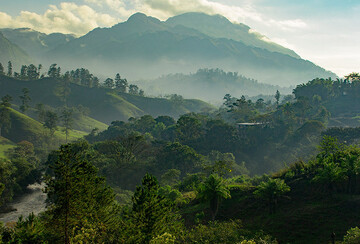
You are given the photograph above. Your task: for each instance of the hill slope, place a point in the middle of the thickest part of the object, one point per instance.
(5, 145)
(25, 128)
(34, 42)
(146, 47)
(104, 105)
(11, 52)
(219, 27)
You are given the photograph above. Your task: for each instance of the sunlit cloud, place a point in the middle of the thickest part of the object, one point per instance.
(67, 18)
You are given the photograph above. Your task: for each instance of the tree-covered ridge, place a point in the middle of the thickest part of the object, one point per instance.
(340, 97)
(106, 100)
(217, 83)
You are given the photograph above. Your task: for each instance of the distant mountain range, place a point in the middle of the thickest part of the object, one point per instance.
(145, 47)
(36, 43)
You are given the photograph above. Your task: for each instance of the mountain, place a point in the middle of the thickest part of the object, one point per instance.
(218, 26)
(35, 43)
(11, 52)
(144, 47)
(103, 105)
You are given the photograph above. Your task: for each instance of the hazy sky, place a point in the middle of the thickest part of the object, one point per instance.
(324, 31)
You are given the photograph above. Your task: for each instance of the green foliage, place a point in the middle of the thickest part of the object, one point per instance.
(172, 195)
(271, 190)
(29, 230)
(225, 232)
(171, 177)
(18, 171)
(51, 120)
(352, 236)
(165, 238)
(25, 99)
(5, 121)
(180, 157)
(151, 215)
(213, 190)
(67, 120)
(79, 201)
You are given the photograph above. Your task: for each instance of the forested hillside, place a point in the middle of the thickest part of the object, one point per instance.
(101, 103)
(176, 170)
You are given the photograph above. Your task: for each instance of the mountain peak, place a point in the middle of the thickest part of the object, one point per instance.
(199, 16)
(142, 18)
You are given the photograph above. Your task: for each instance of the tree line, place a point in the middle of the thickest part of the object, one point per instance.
(79, 76)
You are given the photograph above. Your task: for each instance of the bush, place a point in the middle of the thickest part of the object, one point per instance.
(352, 236)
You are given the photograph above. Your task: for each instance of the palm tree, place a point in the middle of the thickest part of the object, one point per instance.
(271, 190)
(213, 190)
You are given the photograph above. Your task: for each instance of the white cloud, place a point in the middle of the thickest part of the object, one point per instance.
(67, 18)
(290, 25)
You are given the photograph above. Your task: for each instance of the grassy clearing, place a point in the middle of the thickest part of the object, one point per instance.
(5, 145)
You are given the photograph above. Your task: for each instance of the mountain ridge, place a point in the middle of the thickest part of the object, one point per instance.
(143, 45)
(12, 52)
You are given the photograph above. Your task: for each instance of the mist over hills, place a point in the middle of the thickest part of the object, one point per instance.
(147, 47)
(218, 26)
(144, 47)
(209, 85)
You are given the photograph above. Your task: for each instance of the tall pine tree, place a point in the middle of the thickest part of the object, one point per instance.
(81, 207)
(151, 215)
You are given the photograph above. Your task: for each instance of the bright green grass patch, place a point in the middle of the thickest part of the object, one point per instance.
(5, 145)
(87, 124)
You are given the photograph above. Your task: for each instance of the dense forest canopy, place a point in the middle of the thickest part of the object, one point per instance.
(221, 175)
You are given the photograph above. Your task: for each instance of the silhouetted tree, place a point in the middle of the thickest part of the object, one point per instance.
(54, 71)
(109, 83)
(120, 84)
(23, 72)
(67, 120)
(32, 72)
(133, 89)
(1, 69)
(9, 73)
(25, 99)
(5, 120)
(50, 122)
(277, 97)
